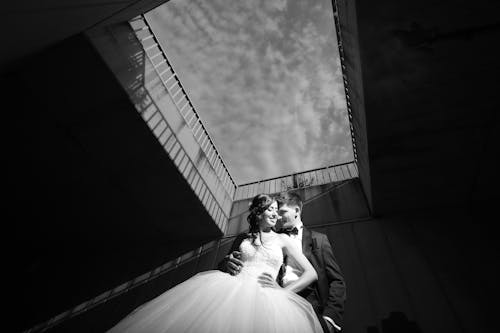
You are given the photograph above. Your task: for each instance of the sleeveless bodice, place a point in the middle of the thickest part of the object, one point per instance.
(258, 258)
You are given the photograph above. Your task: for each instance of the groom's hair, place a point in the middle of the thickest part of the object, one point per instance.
(290, 199)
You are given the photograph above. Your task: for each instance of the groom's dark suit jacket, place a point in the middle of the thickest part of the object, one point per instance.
(327, 295)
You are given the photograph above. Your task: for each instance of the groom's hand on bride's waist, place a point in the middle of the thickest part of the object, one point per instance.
(267, 280)
(234, 263)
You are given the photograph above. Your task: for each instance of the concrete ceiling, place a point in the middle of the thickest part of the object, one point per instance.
(30, 26)
(430, 80)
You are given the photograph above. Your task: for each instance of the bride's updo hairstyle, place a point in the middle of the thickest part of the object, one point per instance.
(259, 204)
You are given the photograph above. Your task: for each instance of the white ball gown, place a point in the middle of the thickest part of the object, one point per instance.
(218, 302)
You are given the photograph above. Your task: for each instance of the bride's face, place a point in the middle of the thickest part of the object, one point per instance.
(269, 217)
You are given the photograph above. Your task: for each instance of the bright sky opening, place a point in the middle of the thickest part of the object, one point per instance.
(265, 78)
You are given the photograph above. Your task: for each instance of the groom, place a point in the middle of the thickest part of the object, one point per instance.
(327, 295)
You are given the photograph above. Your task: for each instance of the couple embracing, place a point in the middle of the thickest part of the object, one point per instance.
(278, 277)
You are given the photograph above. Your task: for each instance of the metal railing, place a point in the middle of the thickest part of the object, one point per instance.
(206, 188)
(320, 176)
(181, 99)
(132, 284)
(171, 81)
(340, 44)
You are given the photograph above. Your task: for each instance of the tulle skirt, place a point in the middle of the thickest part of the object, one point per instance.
(217, 302)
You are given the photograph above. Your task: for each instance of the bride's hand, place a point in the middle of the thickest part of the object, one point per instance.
(266, 280)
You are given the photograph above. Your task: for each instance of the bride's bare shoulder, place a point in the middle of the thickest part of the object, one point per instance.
(284, 239)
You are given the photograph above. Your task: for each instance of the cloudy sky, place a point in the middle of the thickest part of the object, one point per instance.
(265, 77)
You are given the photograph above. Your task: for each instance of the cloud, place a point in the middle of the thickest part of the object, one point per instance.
(265, 78)
(279, 5)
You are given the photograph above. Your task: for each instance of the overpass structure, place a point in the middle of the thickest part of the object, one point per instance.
(118, 191)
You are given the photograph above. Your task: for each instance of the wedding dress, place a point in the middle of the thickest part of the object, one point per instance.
(218, 302)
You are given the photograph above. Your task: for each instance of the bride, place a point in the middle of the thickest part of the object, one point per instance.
(215, 301)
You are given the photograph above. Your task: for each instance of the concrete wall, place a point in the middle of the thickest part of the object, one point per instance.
(347, 26)
(431, 268)
(94, 200)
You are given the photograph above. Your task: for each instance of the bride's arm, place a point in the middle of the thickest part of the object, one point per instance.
(309, 275)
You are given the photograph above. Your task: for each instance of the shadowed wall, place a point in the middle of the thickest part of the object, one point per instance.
(94, 200)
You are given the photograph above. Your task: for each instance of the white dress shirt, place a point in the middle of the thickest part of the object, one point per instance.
(293, 270)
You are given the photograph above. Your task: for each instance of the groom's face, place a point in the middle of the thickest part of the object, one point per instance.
(289, 216)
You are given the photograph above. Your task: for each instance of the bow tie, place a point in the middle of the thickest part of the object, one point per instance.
(289, 231)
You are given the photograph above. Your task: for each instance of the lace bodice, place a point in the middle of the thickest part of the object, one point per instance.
(265, 257)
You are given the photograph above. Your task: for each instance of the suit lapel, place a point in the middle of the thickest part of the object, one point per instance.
(306, 243)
